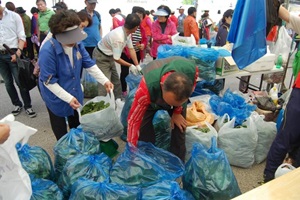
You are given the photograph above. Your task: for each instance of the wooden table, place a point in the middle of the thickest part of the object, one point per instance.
(286, 187)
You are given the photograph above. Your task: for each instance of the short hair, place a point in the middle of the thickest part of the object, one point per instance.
(62, 20)
(84, 16)
(34, 10)
(147, 12)
(61, 6)
(118, 10)
(138, 9)
(39, 1)
(112, 11)
(10, 6)
(191, 10)
(166, 8)
(179, 84)
(132, 20)
(204, 15)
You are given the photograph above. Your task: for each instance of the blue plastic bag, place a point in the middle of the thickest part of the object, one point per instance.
(125, 111)
(232, 104)
(92, 167)
(35, 160)
(166, 51)
(133, 81)
(249, 38)
(166, 190)
(145, 165)
(43, 189)
(73, 143)
(162, 127)
(90, 85)
(87, 189)
(208, 174)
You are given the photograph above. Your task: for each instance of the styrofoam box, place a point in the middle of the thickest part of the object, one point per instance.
(262, 64)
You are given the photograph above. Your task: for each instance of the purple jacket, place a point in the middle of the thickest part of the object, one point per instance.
(161, 38)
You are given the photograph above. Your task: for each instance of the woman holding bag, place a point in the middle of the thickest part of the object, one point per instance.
(61, 61)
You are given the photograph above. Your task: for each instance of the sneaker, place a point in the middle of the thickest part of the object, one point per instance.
(30, 112)
(17, 110)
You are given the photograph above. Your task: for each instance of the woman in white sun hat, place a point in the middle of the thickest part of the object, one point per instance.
(61, 60)
(162, 29)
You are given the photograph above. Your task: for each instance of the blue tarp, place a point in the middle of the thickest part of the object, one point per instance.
(248, 32)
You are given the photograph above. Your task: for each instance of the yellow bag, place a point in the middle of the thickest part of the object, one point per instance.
(197, 115)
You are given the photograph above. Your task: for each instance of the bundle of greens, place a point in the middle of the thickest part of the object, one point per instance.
(94, 107)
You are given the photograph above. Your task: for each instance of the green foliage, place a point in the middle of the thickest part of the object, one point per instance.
(94, 107)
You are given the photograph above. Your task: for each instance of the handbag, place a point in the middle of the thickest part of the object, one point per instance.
(25, 70)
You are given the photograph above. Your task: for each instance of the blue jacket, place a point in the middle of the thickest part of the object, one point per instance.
(55, 67)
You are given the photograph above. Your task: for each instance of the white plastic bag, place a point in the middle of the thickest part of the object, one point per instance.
(14, 180)
(238, 143)
(195, 136)
(221, 121)
(184, 41)
(283, 44)
(266, 132)
(105, 124)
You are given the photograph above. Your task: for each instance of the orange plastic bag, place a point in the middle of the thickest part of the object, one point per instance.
(197, 115)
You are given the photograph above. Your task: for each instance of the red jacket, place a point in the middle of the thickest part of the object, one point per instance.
(160, 38)
(147, 24)
(174, 19)
(190, 27)
(139, 106)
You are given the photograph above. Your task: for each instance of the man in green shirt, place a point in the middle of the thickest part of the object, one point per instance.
(44, 17)
(28, 48)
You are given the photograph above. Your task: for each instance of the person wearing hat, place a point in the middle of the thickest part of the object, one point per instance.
(224, 27)
(94, 31)
(190, 25)
(61, 60)
(28, 48)
(13, 36)
(180, 18)
(162, 29)
(44, 16)
(60, 6)
(166, 85)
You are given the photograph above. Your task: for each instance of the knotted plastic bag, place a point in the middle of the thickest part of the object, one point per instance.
(162, 127)
(92, 167)
(208, 174)
(43, 189)
(35, 160)
(166, 190)
(88, 189)
(145, 165)
(73, 143)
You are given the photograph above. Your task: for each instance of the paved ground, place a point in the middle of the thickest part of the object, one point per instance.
(247, 178)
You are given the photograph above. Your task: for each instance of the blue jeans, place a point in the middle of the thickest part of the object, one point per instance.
(9, 73)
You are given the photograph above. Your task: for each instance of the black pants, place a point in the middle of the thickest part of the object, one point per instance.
(147, 133)
(29, 52)
(59, 125)
(125, 69)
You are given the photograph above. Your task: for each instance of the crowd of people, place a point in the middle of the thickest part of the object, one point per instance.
(65, 41)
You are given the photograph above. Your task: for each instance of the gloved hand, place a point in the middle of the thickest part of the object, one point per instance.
(133, 69)
(139, 69)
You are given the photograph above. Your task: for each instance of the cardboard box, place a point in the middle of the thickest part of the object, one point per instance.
(264, 63)
(226, 65)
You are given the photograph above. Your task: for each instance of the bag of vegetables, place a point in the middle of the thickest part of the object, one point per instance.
(99, 117)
